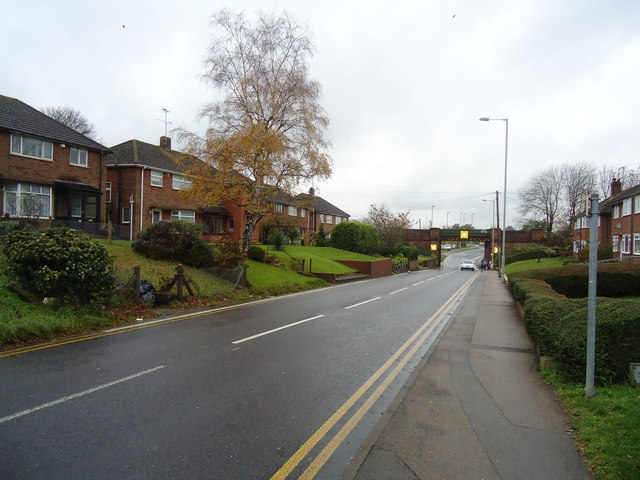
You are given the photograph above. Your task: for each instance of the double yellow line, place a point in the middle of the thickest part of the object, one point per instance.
(312, 470)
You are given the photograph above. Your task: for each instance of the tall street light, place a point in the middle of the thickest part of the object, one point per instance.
(448, 219)
(504, 193)
(431, 224)
(493, 212)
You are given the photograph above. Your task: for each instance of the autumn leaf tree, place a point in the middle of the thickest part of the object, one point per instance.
(391, 227)
(265, 134)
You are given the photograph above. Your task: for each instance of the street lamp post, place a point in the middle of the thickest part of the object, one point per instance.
(493, 211)
(504, 193)
(448, 219)
(431, 224)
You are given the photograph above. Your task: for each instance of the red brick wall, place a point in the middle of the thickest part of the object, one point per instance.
(374, 268)
(33, 170)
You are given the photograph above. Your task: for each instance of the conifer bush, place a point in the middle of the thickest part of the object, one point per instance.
(59, 262)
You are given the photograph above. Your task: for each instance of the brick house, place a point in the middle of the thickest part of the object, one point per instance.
(49, 171)
(618, 222)
(307, 211)
(144, 186)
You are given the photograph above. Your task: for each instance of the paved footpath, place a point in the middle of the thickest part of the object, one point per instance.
(477, 408)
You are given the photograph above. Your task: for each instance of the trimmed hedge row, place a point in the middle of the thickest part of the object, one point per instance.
(531, 255)
(558, 326)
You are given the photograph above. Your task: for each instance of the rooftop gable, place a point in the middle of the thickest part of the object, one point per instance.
(18, 117)
(136, 152)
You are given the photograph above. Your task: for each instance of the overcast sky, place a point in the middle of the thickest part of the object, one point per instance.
(403, 83)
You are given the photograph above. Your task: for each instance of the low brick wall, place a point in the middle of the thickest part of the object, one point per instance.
(374, 268)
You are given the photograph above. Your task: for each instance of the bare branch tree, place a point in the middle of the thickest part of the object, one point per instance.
(266, 135)
(541, 197)
(579, 180)
(605, 177)
(391, 228)
(73, 119)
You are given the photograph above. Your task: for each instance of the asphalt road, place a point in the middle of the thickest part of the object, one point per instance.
(284, 388)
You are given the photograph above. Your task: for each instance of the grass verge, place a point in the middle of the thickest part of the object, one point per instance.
(607, 427)
(534, 264)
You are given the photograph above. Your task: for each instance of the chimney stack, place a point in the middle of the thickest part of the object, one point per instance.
(165, 142)
(616, 186)
(312, 191)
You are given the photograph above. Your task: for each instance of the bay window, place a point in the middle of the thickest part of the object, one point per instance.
(27, 200)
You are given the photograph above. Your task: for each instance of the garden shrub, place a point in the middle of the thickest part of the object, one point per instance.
(531, 255)
(59, 262)
(178, 241)
(399, 259)
(228, 253)
(354, 237)
(8, 227)
(409, 251)
(278, 239)
(321, 239)
(257, 254)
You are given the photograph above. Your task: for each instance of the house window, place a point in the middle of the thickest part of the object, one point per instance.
(78, 157)
(636, 204)
(616, 211)
(616, 243)
(183, 216)
(232, 225)
(156, 216)
(126, 214)
(108, 195)
(156, 179)
(213, 224)
(322, 218)
(329, 219)
(626, 243)
(338, 220)
(303, 212)
(636, 244)
(180, 182)
(626, 206)
(27, 200)
(293, 211)
(278, 208)
(31, 147)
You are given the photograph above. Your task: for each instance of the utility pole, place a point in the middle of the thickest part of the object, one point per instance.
(498, 227)
(592, 290)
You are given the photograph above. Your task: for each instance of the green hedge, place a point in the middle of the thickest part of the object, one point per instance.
(558, 326)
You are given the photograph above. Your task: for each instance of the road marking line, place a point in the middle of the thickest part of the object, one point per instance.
(319, 434)
(276, 329)
(405, 288)
(362, 303)
(416, 284)
(77, 395)
(429, 279)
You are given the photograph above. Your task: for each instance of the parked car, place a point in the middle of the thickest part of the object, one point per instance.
(467, 265)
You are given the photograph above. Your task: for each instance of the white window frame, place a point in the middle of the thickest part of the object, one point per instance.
(18, 141)
(188, 216)
(626, 243)
(322, 218)
(293, 211)
(636, 243)
(626, 207)
(616, 211)
(231, 224)
(76, 157)
(615, 242)
(108, 193)
(278, 208)
(21, 191)
(154, 212)
(155, 180)
(303, 212)
(329, 219)
(636, 204)
(180, 182)
(126, 214)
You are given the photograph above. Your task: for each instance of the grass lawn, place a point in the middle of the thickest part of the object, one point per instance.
(268, 279)
(533, 264)
(159, 271)
(607, 427)
(321, 259)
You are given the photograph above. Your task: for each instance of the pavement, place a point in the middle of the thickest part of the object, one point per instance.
(476, 408)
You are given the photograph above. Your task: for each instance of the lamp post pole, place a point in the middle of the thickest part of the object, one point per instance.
(504, 193)
(448, 219)
(431, 223)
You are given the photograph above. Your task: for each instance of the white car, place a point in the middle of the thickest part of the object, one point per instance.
(467, 265)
